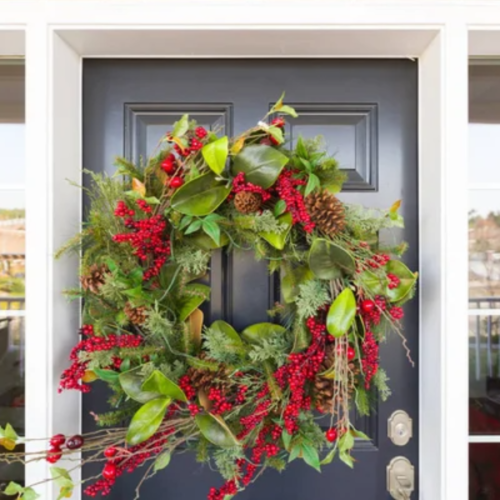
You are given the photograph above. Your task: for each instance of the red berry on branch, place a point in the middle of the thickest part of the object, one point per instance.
(109, 471)
(168, 166)
(274, 140)
(58, 440)
(200, 132)
(110, 452)
(54, 454)
(195, 145)
(351, 353)
(331, 435)
(176, 182)
(75, 442)
(367, 306)
(278, 122)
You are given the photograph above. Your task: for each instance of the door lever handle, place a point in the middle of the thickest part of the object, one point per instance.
(400, 478)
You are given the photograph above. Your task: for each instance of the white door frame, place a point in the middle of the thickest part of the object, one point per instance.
(60, 33)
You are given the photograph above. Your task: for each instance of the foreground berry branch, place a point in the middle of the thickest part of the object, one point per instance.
(243, 401)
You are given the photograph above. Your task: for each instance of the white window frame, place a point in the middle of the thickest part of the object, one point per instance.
(58, 33)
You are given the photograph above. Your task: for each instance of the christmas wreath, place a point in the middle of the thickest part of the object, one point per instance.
(247, 400)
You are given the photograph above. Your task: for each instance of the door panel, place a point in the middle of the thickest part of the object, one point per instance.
(367, 112)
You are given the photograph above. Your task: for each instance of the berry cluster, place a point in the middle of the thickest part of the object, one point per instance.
(71, 377)
(219, 401)
(394, 281)
(239, 185)
(302, 367)
(371, 311)
(187, 387)
(249, 422)
(134, 457)
(57, 442)
(148, 237)
(286, 188)
(396, 313)
(370, 360)
(194, 140)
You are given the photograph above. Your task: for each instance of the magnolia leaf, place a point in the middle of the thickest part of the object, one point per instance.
(89, 376)
(109, 376)
(162, 460)
(159, 384)
(238, 145)
(147, 420)
(255, 334)
(216, 430)
(195, 322)
(374, 283)
(329, 458)
(230, 333)
(311, 457)
(292, 280)
(215, 154)
(407, 281)
(203, 241)
(261, 164)
(288, 110)
(205, 403)
(212, 229)
(278, 240)
(138, 187)
(200, 196)
(194, 295)
(329, 261)
(279, 208)
(131, 382)
(181, 126)
(277, 133)
(341, 313)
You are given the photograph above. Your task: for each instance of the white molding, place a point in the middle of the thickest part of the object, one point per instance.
(484, 439)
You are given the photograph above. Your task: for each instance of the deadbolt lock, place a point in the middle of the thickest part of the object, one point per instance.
(400, 478)
(400, 428)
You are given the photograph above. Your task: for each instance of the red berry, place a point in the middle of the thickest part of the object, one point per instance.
(110, 452)
(195, 144)
(351, 353)
(54, 454)
(176, 182)
(58, 440)
(274, 140)
(331, 435)
(75, 442)
(200, 132)
(109, 471)
(278, 122)
(367, 306)
(168, 166)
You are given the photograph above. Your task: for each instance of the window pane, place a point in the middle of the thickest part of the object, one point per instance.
(484, 374)
(484, 118)
(12, 249)
(11, 153)
(484, 464)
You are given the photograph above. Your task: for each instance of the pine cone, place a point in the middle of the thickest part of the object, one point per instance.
(326, 211)
(247, 202)
(203, 378)
(136, 315)
(95, 278)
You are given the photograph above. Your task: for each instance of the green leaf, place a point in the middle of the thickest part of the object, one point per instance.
(261, 164)
(63, 480)
(131, 382)
(374, 283)
(329, 261)
(300, 148)
(329, 458)
(255, 334)
(13, 488)
(287, 439)
(193, 227)
(147, 420)
(288, 110)
(213, 230)
(203, 364)
(278, 240)
(24, 493)
(136, 293)
(159, 384)
(107, 375)
(312, 183)
(204, 241)
(152, 200)
(162, 460)
(279, 208)
(277, 133)
(279, 103)
(216, 431)
(181, 126)
(359, 434)
(215, 154)
(200, 196)
(346, 442)
(294, 453)
(311, 457)
(406, 277)
(347, 459)
(230, 333)
(292, 280)
(9, 432)
(341, 313)
(194, 295)
(185, 221)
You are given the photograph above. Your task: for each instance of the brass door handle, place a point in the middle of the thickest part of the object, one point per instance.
(400, 478)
